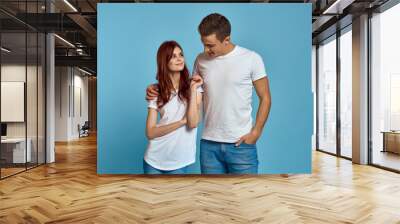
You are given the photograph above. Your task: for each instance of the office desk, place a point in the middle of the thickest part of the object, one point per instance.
(13, 150)
(391, 141)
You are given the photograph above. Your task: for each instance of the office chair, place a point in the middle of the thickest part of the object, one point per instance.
(84, 130)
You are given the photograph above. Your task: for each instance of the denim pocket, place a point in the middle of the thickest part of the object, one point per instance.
(246, 144)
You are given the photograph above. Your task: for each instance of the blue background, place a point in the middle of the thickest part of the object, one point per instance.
(128, 38)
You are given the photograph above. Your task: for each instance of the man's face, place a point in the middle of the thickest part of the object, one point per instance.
(213, 47)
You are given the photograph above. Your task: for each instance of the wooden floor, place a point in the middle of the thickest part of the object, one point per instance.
(70, 191)
(5, 172)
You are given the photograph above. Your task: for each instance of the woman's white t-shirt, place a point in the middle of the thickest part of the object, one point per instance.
(176, 149)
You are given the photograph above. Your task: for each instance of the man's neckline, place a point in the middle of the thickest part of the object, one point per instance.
(229, 53)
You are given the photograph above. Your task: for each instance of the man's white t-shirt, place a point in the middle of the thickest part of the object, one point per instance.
(176, 149)
(228, 88)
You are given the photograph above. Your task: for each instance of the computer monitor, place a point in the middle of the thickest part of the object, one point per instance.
(3, 129)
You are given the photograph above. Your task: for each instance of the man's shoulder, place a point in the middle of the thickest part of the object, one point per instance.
(201, 56)
(253, 54)
(245, 51)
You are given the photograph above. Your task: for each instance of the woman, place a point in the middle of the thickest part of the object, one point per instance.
(172, 142)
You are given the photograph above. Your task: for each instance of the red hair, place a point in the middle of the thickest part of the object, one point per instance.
(165, 86)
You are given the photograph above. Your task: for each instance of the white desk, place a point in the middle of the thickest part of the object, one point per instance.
(18, 151)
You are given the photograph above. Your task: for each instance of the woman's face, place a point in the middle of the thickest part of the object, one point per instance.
(177, 62)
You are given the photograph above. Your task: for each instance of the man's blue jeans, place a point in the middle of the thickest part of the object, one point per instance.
(223, 158)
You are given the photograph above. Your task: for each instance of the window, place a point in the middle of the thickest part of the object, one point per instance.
(22, 65)
(346, 74)
(327, 95)
(385, 88)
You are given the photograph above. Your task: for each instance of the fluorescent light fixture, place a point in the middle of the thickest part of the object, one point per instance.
(331, 7)
(84, 71)
(70, 5)
(80, 51)
(5, 49)
(338, 6)
(65, 41)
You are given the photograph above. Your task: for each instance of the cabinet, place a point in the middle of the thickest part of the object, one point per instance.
(391, 141)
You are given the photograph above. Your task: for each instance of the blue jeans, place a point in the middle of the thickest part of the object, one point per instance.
(222, 158)
(148, 169)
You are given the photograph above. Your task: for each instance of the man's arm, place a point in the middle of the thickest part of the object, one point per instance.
(264, 95)
(152, 92)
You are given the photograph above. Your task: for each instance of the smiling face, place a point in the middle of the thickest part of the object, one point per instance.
(213, 47)
(177, 61)
(170, 61)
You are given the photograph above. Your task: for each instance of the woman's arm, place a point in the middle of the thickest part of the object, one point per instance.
(194, 108)
(152, 131)
(193, 114)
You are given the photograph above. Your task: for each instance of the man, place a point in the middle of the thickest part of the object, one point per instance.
(229, 72)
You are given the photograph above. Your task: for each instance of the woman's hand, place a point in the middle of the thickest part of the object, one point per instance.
(184, 120)
(196, 82)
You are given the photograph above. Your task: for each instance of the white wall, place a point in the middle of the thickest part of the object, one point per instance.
(80, 100)
(62, 81)
(70, 83)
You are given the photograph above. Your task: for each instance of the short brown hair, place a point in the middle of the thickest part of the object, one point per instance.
(215, 23)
